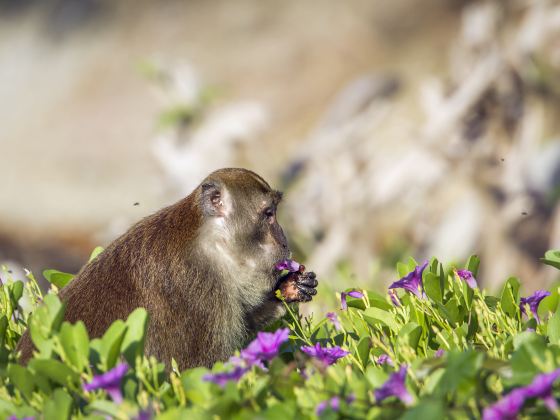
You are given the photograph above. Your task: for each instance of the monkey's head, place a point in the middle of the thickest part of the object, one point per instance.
(239, 215)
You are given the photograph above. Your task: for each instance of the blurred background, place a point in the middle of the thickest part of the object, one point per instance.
(396, 129)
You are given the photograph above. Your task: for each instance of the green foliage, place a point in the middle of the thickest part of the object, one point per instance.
(488, 349)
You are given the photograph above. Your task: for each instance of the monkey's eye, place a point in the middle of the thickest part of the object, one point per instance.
(269, 214)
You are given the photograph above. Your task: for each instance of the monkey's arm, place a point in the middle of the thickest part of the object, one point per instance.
(270, 310)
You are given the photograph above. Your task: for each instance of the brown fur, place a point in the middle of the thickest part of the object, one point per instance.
(203, 272)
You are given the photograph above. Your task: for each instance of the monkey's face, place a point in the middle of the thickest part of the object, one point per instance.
(243, 211)
(259, 238)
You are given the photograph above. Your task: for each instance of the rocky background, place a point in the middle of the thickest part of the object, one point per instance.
(395, 128)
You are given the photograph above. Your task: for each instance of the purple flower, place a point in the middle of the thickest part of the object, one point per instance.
(395, 386)
(412, 282)
(468, 278)
(507, 408)
(334, 319)
(385, 359)
(322, 406)
(352, 293)
(327, 355)
(510, 405)
(333, 403)
(533, 301)
(14, 417)
(290, 265)
(264, 347)
(223, 378)
(144, 415)
(394, 298)
(440, 353)
(110, 381)
(541, 387)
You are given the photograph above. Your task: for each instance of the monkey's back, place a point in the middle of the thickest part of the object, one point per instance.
(126, 275)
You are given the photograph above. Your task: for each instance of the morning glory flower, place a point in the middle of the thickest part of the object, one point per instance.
(412, 282)
(440, 353)
(264, 347)
(290, 265)
(353, 293)
(144, 415)
(541, 387)
(533, 301)
(334, 319)
(333, 403)
(507, 408)
(394, 298)
(223, 378)
(510, 405)
(385, 359)
(327, 355)
(110, 381)
(468, 278)
(395, 386)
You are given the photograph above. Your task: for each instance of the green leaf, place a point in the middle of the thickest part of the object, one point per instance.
(22, 379)
(549, 304)
(410, 334)
(491, 302)
(3, 329)
(432, 287)
(363, 350)
(402, 269)
(426, 409)
(97, 250)
(375, 299)
(376, 376)
(110, 344)
(54, 370)
(58, 278)
(552, 258)
(468, 294)
(510, 297)
(374, 316)
(530, 353)
(553, 328)
(58, 407)
(473, 326)
(197, 390)
(17, 291)
(105, 407)
(450, 311)
(412, 264)
(379, 301)
(75, 342)
(461, 372)
(45, 322)
(472, 265)
(133, 343)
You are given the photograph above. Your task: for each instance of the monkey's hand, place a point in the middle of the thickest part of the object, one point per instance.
(298, 286)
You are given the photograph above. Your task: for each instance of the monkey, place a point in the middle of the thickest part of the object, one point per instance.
(203, 268)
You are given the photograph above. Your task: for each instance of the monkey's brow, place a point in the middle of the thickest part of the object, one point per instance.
(276, 197)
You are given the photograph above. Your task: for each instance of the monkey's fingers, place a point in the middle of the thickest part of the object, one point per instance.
(304, 297)
(308, 280)
(306, 290)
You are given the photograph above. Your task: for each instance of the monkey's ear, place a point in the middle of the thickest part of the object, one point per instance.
(213, 200)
